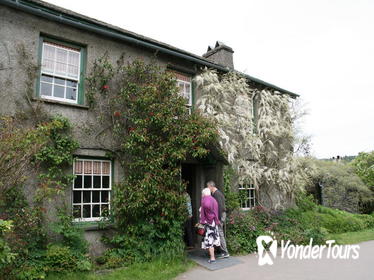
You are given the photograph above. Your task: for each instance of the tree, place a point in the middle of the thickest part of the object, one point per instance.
(364, 166)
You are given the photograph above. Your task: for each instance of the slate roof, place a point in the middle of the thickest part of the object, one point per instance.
(69, 17)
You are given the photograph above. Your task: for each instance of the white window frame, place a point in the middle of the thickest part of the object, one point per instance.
(249, 199)
(184, 84)
(54, 74)
(91, 219)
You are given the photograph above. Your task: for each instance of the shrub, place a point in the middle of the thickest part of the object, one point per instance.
(341, 187)
(56, 259)
(299, 226)
(364, 164)
(337, 221)
(242, 231)
(47, 148)
(364, 168)
(6, 254)
(28, 231)
(305, 202)
(18, 145)
(72, 235)
(61, 258)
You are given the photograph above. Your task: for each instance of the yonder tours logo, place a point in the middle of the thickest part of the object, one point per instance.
(268, 247)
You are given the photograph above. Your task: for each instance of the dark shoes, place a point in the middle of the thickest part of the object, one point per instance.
(211, 261)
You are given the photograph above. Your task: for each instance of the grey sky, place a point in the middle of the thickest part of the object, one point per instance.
(320, 49)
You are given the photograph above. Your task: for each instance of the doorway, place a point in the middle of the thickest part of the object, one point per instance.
(188, 175)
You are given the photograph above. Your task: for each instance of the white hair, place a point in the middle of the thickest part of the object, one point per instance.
(206, 192)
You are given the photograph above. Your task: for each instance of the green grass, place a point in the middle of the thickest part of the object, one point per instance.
(352, 237)
(155, 270)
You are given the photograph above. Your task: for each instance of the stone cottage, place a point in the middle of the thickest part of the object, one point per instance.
(64, 45)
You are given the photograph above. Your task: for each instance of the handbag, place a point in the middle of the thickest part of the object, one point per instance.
(200, 229)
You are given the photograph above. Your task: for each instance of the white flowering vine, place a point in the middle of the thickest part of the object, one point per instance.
(255, 127)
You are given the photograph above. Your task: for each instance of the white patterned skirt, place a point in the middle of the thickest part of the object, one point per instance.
(211, 237)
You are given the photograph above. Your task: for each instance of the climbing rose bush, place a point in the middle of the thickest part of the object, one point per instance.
(152, 133)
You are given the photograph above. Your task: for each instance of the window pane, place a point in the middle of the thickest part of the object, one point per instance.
(78, 182)
(187, 92)
(61, 68)
(188, 89)
(181, 89)
(45, 89)
(96, 211)
(106, 168)
(78, 167)
(77, 211)
(87, 182)
(71, 93)
(96, 196)
(86, 197)
(48, 65)
(104, 196)
(96, 167)
(60, 81)
(59, 91)
(48, 52)
(97, 182)
(71, 84)
(48, 79)
(72, 71)
(104, 209)
(105, 182)
(77, 197)
(62, 55)
(86, 211)
(87, 167)
(73, 58)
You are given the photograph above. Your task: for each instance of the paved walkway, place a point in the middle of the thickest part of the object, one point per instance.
(289, 269)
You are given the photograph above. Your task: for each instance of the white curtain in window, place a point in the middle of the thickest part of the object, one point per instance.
(63, 62)
(48, 58)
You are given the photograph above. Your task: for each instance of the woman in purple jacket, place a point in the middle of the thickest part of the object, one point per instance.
(209, 218)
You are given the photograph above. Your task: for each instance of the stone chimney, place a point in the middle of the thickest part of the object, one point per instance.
(220, 54)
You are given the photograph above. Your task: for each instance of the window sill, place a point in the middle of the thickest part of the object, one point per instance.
(93, 226)
(50, 101)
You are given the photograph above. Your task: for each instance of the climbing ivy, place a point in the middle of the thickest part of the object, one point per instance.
(54, 157)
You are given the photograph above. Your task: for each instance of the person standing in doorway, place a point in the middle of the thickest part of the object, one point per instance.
(188, 222)
(218, 195)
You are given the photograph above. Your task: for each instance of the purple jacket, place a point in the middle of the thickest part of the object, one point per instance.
(209, 210)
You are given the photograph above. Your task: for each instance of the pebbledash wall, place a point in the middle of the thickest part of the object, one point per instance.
(34, 24)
